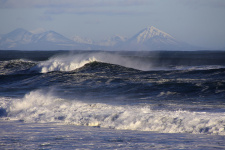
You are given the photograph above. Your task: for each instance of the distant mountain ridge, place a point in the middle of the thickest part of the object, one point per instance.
(149, 38)
(150, 32)
(79, 39)
(24, 40)
(152, 38)
(112, 41)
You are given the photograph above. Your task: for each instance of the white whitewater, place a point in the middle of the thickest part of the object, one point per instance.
(41, 106)
(72, 62)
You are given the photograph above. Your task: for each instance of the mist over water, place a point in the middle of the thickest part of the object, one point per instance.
(69, 62)
(144, 61)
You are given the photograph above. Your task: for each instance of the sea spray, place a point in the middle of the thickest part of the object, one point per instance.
(71, 62)
(42, 106)
(54, 109)
(67, 63)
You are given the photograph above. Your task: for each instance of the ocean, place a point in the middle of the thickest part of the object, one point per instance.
(112, 100)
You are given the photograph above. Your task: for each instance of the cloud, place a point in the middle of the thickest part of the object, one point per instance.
(204, 3)
(93, 21)
(80, 7)
(45, 18)
(68, 3)
(95, 11)
(219, 4)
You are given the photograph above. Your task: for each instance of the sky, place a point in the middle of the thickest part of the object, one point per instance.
(197, 22)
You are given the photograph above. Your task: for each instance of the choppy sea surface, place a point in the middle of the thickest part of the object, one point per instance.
(112, 100)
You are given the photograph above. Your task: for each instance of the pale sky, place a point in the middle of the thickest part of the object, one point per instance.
(197, 22)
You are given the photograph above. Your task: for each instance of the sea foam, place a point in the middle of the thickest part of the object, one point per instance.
(67, 63)
(42, 106)
(71, 62)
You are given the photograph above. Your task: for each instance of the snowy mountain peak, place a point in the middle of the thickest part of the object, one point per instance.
(150, 32)
(18, 35)
(152, 38)
(38, 30)
(149, 38)
(52, 36)
(23, 39)
(18, 31)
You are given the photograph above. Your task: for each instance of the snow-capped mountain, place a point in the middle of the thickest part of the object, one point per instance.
(79, 39)
(25, 40)
(18, 36)
(51, 36)
(152, 38)
(149, 38)
(150, 33)
(107, 42)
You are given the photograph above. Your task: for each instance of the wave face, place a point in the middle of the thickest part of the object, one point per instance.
(167, 92)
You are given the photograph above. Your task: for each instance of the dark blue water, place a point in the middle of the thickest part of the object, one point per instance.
(163, 91)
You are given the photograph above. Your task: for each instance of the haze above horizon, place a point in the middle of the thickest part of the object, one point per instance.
(197, 22)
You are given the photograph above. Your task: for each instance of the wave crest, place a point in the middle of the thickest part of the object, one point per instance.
(72, 62)
(39, 106)
(66, 63)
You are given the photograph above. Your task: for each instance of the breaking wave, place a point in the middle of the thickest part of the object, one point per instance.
(42, 106)
(72, 62)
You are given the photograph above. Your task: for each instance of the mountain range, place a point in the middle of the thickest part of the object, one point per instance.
(149, 38)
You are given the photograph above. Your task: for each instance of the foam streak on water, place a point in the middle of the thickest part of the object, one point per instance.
(59, 136)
